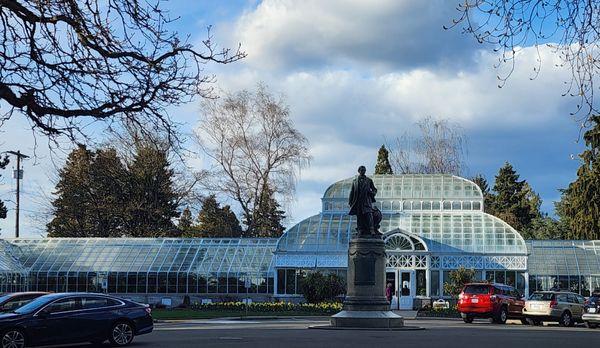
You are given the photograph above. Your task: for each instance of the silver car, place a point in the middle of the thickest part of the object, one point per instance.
(564, 307)
(591, 317)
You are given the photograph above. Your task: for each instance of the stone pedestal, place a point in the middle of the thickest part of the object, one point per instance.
(365, 304)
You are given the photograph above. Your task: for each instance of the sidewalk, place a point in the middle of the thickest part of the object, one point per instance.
(406, 314)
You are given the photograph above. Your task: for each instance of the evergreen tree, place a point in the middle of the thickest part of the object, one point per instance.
(91, 192)
(383, 165)
(214, 221)
(185, 220)
(580, 203)
(545, 227)
(514, 201)
(267, 219)
(488, 197)
(153, 200)
(3, 211)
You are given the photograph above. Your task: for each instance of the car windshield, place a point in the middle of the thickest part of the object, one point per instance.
(476, 289)
(541, 296)
(34, 305)
(4, 298)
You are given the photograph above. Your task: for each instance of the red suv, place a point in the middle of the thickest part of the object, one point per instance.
(496, 301)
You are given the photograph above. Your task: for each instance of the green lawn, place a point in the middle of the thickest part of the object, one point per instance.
(182, 314)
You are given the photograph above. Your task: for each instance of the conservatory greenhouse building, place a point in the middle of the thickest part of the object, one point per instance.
(432, 224)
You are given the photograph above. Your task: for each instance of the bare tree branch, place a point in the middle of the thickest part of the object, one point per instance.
(252, 141)
(66, 64)
(570, 27)
(439, 148)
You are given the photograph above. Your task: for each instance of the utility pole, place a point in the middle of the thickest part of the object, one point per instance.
(18, 174)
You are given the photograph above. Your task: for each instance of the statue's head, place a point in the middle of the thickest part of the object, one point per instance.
(362, 170)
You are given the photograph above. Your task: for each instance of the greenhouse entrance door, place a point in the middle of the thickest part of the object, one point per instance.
(403, 288)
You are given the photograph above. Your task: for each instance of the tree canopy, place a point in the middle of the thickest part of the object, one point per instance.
(97, 195)
(580, 203)
(514, 201)
(215, 221)
(267, 218)
(251, 138)
(437, 148)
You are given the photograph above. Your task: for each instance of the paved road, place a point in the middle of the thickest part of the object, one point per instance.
(291, 333)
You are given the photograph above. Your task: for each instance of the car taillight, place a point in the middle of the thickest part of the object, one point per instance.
(553, 303)
(148, 310)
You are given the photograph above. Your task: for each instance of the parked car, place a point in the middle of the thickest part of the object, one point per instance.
(496, 301)
(564, 307)
(10, 302)
(74, 318)
(591, 316)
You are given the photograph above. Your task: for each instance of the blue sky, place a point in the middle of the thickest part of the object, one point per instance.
(355, 73)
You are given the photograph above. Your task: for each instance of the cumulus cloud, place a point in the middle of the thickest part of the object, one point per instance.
(378, 33)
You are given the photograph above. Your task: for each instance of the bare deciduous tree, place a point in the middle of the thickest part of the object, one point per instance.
(252, 140)
(439, 148)
(570, 27)
(65, 64)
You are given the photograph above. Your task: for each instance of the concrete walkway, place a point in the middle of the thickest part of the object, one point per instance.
(406, 314)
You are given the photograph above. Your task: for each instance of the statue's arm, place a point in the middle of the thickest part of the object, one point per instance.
(373, 188)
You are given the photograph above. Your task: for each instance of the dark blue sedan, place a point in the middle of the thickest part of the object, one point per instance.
(74, 318)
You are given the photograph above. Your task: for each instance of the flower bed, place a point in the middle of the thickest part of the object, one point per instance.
(272, 307)
(451, 312)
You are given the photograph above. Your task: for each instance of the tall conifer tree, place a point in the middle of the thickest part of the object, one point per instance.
(488, 197)
(153, 201)
(383, 165)
(514, 201)
(267, 219)
(185, 220)
(91, 195)
(216, 221)
(580, 203)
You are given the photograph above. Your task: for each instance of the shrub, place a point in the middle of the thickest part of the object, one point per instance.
(318, 287)
(458, 278)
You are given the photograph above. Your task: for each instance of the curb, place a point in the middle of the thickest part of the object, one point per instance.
(160, 321)
(438, 318)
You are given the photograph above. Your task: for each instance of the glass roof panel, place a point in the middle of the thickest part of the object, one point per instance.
(447, 232)
(563, 257)
(411, 186)
(218, 255)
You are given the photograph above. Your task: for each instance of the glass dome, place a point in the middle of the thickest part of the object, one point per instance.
(411, 192)
(443, 232)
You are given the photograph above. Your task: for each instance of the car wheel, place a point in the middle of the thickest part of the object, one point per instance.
(524, 321)
(468, 319)
(121, 334)
(13, 338)
(591, 325)
(566, 319)
(502, 316)
(537, 322)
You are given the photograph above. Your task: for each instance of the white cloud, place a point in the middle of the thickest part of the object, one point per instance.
(379, 33)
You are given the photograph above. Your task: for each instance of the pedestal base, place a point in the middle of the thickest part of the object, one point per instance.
(367, 319)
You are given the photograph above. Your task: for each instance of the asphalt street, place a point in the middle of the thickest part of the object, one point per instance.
(290, 333)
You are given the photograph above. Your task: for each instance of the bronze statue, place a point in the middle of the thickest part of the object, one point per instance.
(362, 197)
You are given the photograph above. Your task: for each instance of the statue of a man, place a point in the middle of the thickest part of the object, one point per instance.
(361, 201)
